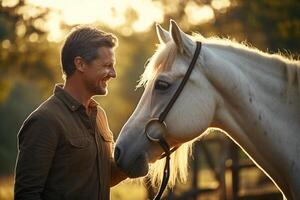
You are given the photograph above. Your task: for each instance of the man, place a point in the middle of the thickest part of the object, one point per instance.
(65, 145)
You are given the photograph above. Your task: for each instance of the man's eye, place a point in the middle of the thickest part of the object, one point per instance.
(161, 85)
(109, 65)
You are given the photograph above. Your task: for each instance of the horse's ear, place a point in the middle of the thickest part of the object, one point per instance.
(182, 40)
(162, 34)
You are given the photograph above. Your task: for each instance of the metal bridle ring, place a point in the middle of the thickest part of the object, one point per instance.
(161, 123)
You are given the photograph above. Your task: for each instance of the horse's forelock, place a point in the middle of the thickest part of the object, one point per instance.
(161, 61)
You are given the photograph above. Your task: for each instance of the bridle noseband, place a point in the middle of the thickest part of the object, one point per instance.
(161, 121)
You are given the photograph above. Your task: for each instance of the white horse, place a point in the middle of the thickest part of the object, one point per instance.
(251, 96)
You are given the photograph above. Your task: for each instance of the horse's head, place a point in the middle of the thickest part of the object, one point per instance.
(190, 116)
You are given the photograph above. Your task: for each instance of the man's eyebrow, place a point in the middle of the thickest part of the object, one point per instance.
(110, 62)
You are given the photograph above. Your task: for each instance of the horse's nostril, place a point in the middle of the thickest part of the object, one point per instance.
(117, 154)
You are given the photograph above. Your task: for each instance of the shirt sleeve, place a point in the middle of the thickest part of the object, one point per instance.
(37, 144)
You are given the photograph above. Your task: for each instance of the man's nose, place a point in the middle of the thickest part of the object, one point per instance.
(112, 73)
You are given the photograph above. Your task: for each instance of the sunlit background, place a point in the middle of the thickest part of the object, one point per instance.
(128, 16)
(32, 31)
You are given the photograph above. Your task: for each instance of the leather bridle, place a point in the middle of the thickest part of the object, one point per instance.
(161, 121)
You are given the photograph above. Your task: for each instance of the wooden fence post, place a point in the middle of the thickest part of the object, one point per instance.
(235, 171)
(195, 164)
(224, 153)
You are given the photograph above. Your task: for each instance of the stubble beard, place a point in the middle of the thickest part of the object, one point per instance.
(99, 90)
(96, 89)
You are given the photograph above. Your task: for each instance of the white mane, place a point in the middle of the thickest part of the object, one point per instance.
(279, 60)
(165, 55)
(162, 60)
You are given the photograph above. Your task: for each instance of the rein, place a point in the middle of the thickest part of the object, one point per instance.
(161, 121)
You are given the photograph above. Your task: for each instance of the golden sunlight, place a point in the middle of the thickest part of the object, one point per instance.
(116, 14)
(9, 3)
(113, 13)
(220, 4)
(198, 14)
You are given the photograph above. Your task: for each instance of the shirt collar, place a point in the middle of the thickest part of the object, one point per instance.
(70, 101)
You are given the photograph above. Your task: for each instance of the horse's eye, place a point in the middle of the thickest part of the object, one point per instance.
(161, 85)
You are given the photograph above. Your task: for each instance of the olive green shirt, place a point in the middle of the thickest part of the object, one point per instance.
(60, 152)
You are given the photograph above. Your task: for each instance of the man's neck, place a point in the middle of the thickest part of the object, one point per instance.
(77, 90)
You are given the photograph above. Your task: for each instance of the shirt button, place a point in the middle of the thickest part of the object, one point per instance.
(73, 107)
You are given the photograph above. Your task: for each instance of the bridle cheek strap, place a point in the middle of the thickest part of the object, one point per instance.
(164, 113)
(186, 77)
(162, 141)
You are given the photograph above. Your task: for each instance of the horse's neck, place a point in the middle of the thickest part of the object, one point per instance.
(255, 87)
(256, 110)
(269, 73)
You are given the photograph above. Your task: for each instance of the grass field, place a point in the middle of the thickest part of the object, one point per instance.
(123, 191)
(6, 188)
(251, 180)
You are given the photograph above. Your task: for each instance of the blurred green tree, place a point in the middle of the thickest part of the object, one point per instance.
(28, 67)
(269, 25)
(23, 42)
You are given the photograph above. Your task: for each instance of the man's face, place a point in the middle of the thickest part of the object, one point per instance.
(98, 72)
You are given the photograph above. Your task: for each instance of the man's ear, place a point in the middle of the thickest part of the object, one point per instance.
(79, 63)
